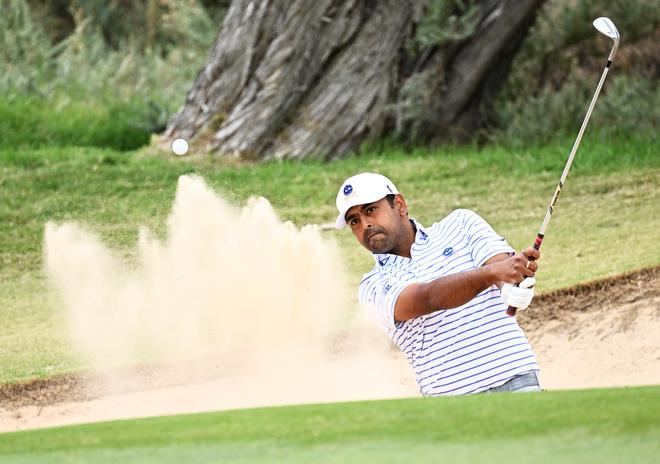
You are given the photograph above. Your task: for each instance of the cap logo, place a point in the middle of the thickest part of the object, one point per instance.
(388, 188)
(348, 189)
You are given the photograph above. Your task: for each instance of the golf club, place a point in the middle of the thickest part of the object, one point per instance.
(604, 26)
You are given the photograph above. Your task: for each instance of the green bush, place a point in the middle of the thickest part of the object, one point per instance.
(25, 51)
(555, 74)
(445, 21)
(629, 105)
(84, 91)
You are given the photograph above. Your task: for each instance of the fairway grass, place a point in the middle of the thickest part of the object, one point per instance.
(589, 426)
(605, 223)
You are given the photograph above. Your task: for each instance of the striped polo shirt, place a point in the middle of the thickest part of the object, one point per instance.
(462, 350)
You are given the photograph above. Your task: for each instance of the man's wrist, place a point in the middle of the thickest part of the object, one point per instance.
(490, 276)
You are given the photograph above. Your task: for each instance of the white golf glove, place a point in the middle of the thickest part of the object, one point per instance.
(519, 297)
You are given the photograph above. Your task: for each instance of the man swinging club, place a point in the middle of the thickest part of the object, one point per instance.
(441, 293)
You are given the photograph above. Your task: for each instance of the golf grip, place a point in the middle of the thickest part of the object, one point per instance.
(511, 311)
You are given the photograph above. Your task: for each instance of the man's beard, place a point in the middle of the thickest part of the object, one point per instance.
(380, 245)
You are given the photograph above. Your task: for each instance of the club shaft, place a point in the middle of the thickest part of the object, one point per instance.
(511, 311)
(564, 174)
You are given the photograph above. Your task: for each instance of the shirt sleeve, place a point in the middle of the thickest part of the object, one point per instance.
(379, 293)
(483, 241)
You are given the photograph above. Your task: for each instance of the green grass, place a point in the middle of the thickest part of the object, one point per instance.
(605, 221)
(36, 122)
(589, 426)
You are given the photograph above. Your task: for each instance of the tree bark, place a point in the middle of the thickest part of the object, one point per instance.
(479, 69)
(313, 79)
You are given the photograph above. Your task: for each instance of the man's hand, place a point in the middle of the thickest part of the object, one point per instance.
(513, 269)
(519, 297)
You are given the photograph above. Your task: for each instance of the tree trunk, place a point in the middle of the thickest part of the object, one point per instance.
(313, 79)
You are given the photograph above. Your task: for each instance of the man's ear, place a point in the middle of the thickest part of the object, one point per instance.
(400, 204)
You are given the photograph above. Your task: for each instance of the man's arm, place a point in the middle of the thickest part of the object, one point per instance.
(457, 289)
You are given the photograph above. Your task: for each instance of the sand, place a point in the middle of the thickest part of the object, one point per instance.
(602, 334)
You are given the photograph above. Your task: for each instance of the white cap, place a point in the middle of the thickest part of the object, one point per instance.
(361, 189)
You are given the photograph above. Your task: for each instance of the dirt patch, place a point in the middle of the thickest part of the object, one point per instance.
(599, 295)
(598, 334)
(43, 392)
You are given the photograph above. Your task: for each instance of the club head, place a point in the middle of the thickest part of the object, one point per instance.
(606, 27)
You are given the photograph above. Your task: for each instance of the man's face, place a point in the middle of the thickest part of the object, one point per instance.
(378, 226)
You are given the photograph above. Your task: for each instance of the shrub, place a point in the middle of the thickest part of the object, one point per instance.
(556, 72)
(84, 90)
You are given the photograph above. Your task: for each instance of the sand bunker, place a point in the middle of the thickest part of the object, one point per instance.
(195, 343)
(596, 335)
(602, 334)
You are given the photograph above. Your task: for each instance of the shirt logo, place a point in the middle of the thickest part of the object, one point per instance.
(448, 251)
(348, 189)
(387, 288)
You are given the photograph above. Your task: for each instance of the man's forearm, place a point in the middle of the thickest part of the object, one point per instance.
(443, 293)
(457, 289)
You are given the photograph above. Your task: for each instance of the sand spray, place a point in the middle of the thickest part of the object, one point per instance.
(235, 297)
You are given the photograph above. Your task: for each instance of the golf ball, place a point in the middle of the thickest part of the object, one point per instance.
(180, 147)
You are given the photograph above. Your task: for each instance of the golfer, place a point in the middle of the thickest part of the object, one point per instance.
(441, 292)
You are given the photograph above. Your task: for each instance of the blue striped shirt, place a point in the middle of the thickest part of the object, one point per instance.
(463, 350)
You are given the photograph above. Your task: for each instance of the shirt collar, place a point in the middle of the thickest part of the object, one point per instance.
(421, 236)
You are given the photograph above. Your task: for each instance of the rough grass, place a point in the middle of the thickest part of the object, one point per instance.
(36, 122)
(605, 221)
(589, 426)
